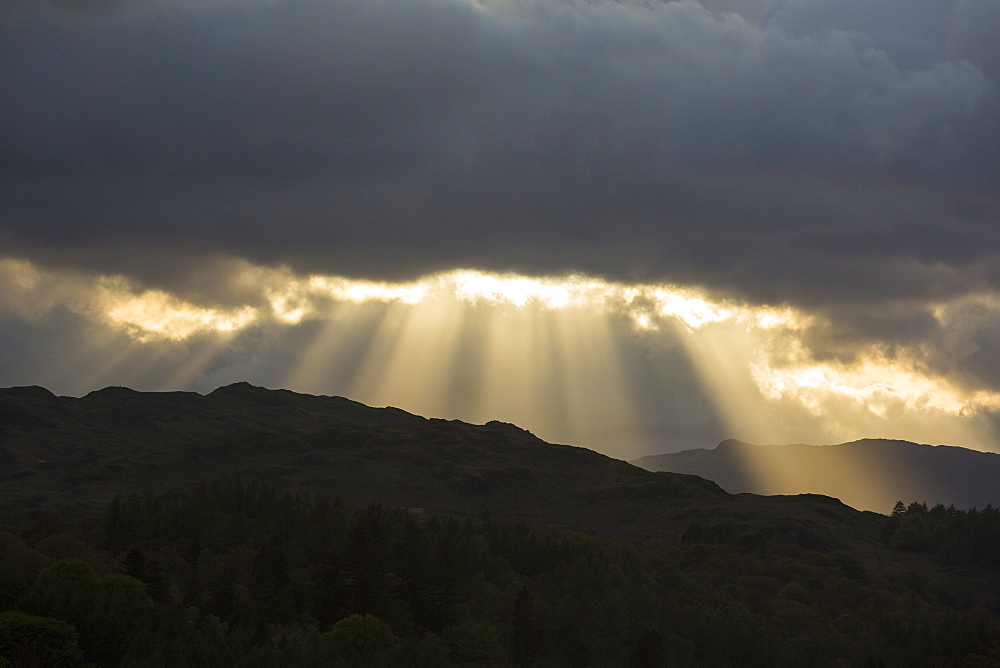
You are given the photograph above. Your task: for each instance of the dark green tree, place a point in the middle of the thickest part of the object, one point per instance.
(649, 651)
(29, 640)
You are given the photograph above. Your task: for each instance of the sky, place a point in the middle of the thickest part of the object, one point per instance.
(638, 226)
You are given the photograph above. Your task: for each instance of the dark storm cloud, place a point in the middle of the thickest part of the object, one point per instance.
(812, 152)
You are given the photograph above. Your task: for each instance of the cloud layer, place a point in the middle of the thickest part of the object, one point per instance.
(838, 157)
(610, 365)
(665, 140)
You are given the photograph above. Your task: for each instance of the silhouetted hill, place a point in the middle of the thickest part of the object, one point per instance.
(76, 454)
(221, 507)
(869, 474)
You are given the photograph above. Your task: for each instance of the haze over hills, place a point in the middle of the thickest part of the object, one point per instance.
(75, 454)
(870, 474)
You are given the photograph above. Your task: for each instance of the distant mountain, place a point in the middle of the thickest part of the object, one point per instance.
(870, 474)
(75, 454)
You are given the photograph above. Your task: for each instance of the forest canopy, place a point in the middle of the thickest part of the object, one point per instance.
(239, 573)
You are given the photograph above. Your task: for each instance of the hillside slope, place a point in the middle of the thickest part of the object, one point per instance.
(76, 454)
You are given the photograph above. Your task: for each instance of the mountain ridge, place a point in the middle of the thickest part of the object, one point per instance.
(867, 473)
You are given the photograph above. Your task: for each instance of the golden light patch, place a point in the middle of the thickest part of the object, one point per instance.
(360, 292)
(877, 383)
(535, 350)
(157, 315)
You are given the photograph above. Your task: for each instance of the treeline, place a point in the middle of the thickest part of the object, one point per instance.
(239, 574)
(970, 536)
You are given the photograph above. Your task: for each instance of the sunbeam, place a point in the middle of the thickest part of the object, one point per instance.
(411, 362)
(333, 359)
(541, 352)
